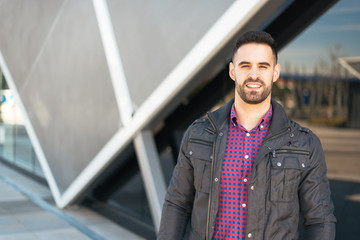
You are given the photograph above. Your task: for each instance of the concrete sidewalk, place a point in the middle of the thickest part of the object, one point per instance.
(29, 215)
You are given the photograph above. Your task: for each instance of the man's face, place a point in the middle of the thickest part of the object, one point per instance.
(254, 70)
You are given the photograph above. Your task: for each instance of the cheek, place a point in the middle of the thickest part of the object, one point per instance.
(269, 75)
(241, 74)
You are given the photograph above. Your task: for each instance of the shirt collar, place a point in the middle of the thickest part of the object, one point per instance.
(264, 123)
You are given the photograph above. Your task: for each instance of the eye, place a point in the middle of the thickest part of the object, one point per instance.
(244, 66)
(263, 66)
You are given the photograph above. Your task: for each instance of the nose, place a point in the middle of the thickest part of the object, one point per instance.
(253, 74)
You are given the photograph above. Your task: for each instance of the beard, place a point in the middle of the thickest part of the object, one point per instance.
(253, 97)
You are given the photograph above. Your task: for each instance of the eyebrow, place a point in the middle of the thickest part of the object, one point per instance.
(260, 63)
(243, 62)
(265, 63)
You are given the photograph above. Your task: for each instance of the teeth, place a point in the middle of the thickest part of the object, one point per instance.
(253, 86)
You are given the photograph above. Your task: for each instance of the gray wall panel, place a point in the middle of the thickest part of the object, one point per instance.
(24, 26)
(54, 52)
(69, 96)
(154, 35)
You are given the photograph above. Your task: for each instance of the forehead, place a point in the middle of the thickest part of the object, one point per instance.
(254, 52)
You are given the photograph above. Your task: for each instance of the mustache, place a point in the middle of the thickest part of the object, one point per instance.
(254, 81)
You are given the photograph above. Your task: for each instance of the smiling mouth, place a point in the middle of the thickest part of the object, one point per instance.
(253, 86)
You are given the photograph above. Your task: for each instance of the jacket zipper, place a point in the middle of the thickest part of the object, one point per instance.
(212, 164)
(200, 141)
(273, 137)
(211, 182)
(279, 151)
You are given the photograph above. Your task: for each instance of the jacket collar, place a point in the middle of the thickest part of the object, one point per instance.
(221, 116)
(279, 123)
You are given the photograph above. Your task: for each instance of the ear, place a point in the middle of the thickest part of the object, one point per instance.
(232, 71)
(276, 74)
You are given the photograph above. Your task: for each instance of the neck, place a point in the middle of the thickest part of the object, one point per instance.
(249, 115)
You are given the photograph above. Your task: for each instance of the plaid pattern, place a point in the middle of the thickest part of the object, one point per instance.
(241, 149)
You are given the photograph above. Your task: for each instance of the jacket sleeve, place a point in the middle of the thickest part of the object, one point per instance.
(179, 198)
(314, 195)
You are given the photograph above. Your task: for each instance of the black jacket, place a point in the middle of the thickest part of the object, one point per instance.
(288, 178)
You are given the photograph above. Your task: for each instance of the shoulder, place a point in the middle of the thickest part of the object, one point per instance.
(302, 129)
(200, 124)
(306, 136)
(200, 120)
(200, 129)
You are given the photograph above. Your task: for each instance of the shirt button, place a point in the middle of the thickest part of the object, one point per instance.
(216, 179)
(245, 179)
(303, 165)
(252, 187)
(261, 126)
(249, 235)
(248, 134)
(243, 205)
(246, 156)
(278, 164)
(221, 134)
(191, 152)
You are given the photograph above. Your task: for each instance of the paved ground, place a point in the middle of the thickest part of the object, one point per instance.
(25, 213)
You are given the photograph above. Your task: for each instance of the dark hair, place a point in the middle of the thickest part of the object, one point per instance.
(256, 37)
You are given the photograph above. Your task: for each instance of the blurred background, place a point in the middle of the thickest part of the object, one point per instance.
(96, 95)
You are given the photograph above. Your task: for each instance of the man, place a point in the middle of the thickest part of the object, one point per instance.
(246, 171)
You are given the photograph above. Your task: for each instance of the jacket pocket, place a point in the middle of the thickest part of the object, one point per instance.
(200, 153)
(287, 166)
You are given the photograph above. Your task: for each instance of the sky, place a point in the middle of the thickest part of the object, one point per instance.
(338, 29)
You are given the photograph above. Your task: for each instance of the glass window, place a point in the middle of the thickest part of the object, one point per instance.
(319, 91)
(15, 145)
(313, 85)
